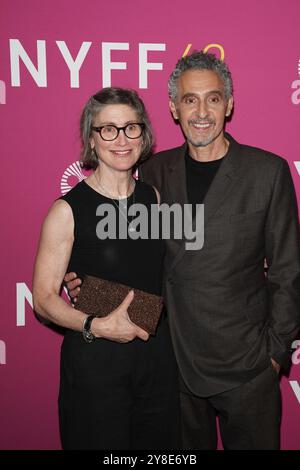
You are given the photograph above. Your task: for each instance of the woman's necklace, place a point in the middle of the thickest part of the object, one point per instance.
(121, 205)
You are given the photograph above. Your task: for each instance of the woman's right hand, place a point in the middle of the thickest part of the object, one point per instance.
(72, 283)
(117, 326)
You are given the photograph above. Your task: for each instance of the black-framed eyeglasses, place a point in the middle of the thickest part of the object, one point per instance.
(133, 130)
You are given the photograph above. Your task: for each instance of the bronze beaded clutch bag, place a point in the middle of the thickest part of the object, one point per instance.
(100, 297)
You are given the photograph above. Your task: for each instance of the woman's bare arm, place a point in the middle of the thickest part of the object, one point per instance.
(51, 263)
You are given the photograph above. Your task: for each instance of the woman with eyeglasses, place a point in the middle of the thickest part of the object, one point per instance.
(118, 390)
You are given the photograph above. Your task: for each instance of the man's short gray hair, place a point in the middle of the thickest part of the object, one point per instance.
(200, 60)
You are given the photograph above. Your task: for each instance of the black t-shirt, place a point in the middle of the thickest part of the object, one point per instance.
(199, 176)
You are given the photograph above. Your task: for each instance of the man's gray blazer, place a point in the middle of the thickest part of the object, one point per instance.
(226, 317)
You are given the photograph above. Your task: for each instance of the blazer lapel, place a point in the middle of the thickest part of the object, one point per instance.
(176, 179)
(218, 191)
(223, 181)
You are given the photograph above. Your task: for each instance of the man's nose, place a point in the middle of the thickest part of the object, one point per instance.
(202, 109)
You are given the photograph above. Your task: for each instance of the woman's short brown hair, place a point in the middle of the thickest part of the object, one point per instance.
(112, 95)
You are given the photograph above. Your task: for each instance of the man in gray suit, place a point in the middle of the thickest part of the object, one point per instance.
(232, 326)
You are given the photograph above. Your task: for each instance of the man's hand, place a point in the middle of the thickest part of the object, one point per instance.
(117, 326)
(275, 365)
(73, 282)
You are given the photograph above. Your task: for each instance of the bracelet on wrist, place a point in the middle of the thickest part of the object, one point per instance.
(87, 334)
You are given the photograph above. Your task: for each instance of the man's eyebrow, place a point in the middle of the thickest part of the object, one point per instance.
(215, 92)
(188, 95)
(210, 92)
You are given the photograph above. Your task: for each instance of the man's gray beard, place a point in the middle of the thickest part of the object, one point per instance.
(203, 143)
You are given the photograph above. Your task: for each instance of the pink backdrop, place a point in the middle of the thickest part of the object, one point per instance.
(40, 104)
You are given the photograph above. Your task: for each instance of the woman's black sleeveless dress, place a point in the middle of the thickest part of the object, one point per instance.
(117, 395)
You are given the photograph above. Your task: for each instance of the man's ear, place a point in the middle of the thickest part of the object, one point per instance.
(173, 109)
(229, 106)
